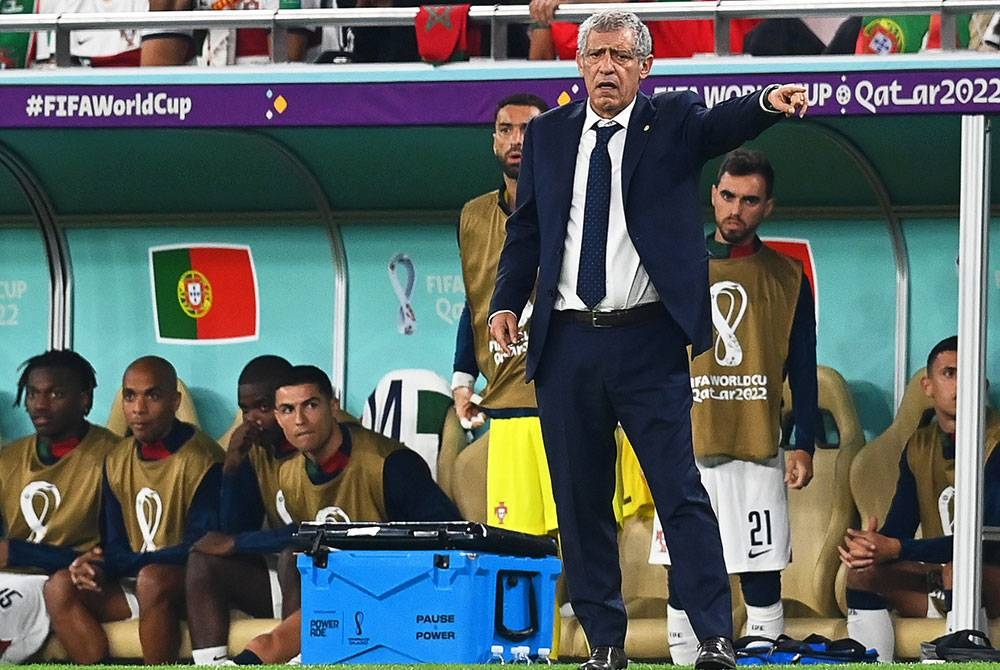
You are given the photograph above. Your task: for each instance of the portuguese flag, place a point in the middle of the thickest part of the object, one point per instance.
(204, 294)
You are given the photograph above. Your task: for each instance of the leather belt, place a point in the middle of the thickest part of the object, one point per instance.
(612, 318)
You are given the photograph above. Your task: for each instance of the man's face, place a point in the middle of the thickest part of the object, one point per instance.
(56, 402)
(941, 384)
(740, 203)
(611, 70)
(256, 401)
(305, 416)
(150, 403)
(508, 136)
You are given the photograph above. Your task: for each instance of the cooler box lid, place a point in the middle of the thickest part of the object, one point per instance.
(411, 536)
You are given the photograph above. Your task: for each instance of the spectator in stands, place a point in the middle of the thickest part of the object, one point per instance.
(671, 39)
(220, 573)
(97, 48)
(50, 493)
(162, 46)
(518, 487)
(811, 36)
(888, 567)
(160, 493)
(764, 329)
(345, 473)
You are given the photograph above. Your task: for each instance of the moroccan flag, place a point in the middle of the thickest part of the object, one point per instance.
(442, 33)
(204, 294)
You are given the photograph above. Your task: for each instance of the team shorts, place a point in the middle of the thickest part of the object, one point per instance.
(751, 502)
(24, 621)
(518, 486)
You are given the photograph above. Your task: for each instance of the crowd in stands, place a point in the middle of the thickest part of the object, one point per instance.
(543, 38)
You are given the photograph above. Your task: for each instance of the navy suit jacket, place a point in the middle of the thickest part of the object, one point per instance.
(670, 136)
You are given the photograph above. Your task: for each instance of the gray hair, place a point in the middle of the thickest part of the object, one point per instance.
(611, 20)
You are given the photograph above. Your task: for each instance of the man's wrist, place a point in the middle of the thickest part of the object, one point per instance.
(461, 379)
(489, 321)
(765, 103)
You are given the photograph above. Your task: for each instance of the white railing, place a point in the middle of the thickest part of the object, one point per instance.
(499, 17)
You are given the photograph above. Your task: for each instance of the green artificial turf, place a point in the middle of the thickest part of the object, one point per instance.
(556, 666)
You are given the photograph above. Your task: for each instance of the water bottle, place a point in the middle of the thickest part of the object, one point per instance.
(544, 656)
(520, 655)
(496, 655)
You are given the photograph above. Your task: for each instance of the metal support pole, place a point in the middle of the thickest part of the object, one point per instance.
(973, 251)
(279, 44)
(63, 57)
(722, 28)
(498, 38)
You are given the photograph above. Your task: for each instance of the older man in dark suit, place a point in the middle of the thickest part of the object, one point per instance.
(608, 225)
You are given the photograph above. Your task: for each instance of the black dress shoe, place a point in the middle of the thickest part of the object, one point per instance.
(715, 653)
(607, 658)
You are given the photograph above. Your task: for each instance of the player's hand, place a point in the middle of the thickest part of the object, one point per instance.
(4, 553)
(504, 330)
(215, 543)
(866, 547)
(467, 407)
(85, 571)
(798, 468)
(543, 11)
(789, 99)
(245, 436)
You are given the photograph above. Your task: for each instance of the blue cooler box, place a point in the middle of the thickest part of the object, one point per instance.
(424, 606)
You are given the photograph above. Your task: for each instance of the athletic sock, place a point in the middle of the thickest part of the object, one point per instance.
(247, 657)
(210, 655)
(873, 629)
(766, 621)
(681, 638)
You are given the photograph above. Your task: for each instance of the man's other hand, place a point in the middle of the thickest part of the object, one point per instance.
(504, 330)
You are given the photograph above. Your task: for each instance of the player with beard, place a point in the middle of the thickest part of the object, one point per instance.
(518, 488)
(50, 493)
(765, 328)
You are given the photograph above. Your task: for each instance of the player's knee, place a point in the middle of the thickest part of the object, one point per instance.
(159, 584)
(861, 580)
(59, 591)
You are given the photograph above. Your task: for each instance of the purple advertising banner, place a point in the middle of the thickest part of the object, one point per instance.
(949, 91)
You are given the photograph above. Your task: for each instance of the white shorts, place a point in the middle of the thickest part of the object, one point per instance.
(24, 622)
(751, 502)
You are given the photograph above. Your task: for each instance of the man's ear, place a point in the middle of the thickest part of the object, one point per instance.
(925, 384)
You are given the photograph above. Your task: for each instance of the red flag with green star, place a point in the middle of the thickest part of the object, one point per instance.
(204, 294)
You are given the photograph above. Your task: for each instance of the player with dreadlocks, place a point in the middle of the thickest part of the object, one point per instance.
(50, 493)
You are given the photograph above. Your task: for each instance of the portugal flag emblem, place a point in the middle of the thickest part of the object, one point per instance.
(204, 294)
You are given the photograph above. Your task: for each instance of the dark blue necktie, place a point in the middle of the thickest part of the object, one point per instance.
(590, 280)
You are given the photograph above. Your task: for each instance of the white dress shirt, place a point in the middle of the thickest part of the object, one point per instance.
(627, 284)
